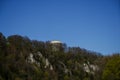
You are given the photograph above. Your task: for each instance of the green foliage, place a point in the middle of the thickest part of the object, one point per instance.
(66, 77)
(112, 69)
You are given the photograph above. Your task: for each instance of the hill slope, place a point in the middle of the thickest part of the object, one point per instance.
(25, 59)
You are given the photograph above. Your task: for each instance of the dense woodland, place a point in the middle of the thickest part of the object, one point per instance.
(25, 59)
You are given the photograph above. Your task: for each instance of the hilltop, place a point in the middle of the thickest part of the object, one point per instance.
(25, 59)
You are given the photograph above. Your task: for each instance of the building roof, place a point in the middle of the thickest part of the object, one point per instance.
(54, 42)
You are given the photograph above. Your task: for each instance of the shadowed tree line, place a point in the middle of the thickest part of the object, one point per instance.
(25, 59)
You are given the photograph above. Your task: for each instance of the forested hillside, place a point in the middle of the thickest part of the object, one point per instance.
(25, 59)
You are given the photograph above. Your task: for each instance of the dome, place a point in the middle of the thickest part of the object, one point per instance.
(56, 42)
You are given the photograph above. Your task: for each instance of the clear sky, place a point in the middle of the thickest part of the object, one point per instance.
(89, 24)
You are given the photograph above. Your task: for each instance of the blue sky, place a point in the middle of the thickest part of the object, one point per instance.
(89, 24)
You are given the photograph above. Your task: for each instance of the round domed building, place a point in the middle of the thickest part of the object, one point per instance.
(56, 45)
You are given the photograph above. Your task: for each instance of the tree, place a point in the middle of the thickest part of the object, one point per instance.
(2, 45)
(112, 69)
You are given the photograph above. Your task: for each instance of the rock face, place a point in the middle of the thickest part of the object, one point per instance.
(90, 68)
(31, 59)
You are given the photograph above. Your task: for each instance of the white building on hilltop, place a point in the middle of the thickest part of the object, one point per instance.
(56, 42)
(56, 45)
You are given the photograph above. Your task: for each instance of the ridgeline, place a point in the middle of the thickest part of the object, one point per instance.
(25, 59)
